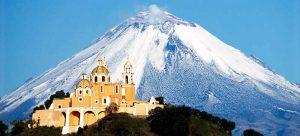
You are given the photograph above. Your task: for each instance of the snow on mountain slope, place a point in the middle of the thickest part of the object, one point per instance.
(182, 62)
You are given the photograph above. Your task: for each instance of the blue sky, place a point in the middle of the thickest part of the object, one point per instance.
(36, 35)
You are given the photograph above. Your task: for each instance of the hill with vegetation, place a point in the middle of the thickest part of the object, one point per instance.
(170, 120)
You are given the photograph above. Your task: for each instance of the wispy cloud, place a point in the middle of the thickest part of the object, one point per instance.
(155, 13)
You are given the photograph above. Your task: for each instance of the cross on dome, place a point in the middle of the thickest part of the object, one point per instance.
(101, 62)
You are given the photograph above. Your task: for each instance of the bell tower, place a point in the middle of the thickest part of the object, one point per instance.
(128, 73)
(128, 83)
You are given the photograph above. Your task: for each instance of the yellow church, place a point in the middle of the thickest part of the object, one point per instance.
(91, 96)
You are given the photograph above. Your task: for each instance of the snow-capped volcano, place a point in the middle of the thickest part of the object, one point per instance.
(182, 62)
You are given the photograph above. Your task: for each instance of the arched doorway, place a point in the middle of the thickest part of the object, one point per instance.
(62, 119)
(89, 118)
(101, 115)
(74, 118)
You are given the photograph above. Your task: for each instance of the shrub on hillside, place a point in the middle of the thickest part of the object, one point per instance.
(225, 124)
(112, 108)
(41, 131)
(18, 127)
(122, 124)
(117, 124)
(182, 120)
(160, 100)
(3, 128)
(170, 120)
(251, 132)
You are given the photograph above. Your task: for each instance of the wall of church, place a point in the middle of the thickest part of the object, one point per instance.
(61, 103)
(129, 92)
(81, 101)
(49, 118)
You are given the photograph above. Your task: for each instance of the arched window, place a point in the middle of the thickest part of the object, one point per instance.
(59, 106)
(117, 91)
(103, 78)
(126, 79)
(87, 91)
(101, 89)
(96, 79)
(80, 92)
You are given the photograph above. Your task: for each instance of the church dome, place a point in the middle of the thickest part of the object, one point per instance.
(83, 83)
(100, 70)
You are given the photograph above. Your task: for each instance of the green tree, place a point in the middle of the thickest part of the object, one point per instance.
(41, 107)
(251, 132)
(58, 95)
(160, 99)
(67, 94)
(227, 125)
(112, 108)
(171, 120)
(3, 128)
(18, 127)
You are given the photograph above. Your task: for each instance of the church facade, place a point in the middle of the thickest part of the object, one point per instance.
(91, 96)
